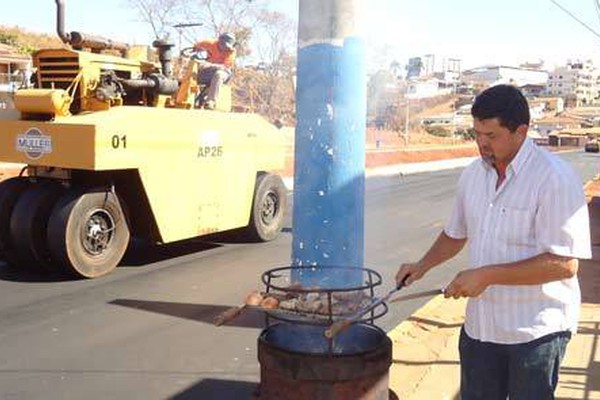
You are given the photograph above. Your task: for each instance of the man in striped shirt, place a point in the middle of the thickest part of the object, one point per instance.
(523, 212)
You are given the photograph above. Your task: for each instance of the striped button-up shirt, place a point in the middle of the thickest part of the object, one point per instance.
(539, 208)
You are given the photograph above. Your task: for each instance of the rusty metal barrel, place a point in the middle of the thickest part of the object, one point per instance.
(297, 362)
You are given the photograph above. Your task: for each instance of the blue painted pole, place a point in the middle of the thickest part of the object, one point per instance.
(328, 214)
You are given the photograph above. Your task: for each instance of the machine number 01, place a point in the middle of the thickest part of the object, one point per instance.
(119, 142)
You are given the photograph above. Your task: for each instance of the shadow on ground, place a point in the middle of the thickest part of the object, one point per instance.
(139, 253)
(217, 389)
(18, 274)
(205, 313)
(433, 323)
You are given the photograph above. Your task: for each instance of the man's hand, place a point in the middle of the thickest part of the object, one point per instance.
(411, 271)
(470, 283)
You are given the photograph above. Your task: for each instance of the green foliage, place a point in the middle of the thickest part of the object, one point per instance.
(466, 134)
(437, 130)
(12, 40)
(9, 38)
(26, 43)
(463, 100)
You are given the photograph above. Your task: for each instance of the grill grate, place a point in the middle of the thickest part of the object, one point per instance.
(323, 303)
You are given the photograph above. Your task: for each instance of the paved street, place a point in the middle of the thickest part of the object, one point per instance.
(145, 332)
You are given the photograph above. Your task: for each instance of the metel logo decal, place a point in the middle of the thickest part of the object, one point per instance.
(34, 144)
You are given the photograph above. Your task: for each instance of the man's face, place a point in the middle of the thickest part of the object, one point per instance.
(225, 47)
(497, 144)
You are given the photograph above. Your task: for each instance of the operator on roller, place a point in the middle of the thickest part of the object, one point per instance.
(217, 68)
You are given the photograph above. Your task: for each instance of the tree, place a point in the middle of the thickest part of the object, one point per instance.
(270, 86)
(278, 34)
(215, 17)
(224, 15)
(9, 39)
(270, 36)
(159, 14)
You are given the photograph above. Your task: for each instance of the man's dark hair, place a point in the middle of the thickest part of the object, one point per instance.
(504, 102)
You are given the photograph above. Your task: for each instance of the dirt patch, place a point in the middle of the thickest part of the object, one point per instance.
(382, 158)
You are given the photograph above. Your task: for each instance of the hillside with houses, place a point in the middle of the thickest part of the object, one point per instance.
(425, 102)
(564, 101)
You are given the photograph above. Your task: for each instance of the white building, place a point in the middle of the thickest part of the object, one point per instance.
(576, 83)
(429, 65)
(500, 74)
(423, 88)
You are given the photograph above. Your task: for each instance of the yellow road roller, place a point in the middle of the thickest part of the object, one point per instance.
(115, 148)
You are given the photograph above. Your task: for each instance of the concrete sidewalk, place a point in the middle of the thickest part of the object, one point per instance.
(426, 364)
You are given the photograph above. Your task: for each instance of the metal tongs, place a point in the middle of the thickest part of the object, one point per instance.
(343, 324)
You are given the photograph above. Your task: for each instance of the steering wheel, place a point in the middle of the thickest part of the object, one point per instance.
(190, 52)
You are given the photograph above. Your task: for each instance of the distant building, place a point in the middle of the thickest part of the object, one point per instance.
(547, 125)
(575, 82)
(439, 119)
(553, 105)
(423, 88)
(415, 68)
(500, 74)
(533, 65)
(591, 115)
(572, 137)
(533, 90)
(429, 66)
(15, 70)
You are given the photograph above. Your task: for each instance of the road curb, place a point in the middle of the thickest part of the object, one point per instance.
(405, 169)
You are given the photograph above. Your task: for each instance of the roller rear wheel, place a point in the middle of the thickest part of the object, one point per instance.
(29, 221)
(88, 233)
(10, 190)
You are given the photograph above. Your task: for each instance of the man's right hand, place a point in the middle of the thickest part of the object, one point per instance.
(411, 271)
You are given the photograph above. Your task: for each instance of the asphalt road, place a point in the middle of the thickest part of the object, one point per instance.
(145, 331)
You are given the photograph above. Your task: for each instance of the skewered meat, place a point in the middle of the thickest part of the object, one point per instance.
(269, 302)
(254, 298)
(304, 301)
(342, 303)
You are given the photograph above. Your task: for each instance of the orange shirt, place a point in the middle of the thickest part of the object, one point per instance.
(215, 55)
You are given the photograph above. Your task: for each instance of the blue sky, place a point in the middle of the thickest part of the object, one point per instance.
(476, 31)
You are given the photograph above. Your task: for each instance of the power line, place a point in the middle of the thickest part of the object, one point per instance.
(576, 19)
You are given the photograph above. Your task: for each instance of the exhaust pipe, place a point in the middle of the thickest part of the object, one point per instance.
(60, 22)
(79, 40)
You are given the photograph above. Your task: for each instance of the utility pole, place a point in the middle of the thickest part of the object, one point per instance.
(406, 120)
(328, 214)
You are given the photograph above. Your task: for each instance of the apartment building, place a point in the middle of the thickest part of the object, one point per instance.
(575, 82)
(501, 74)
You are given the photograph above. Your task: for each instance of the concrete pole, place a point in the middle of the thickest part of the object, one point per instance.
(328, 214)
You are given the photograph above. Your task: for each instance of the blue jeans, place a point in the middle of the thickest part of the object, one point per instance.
(527, 371)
